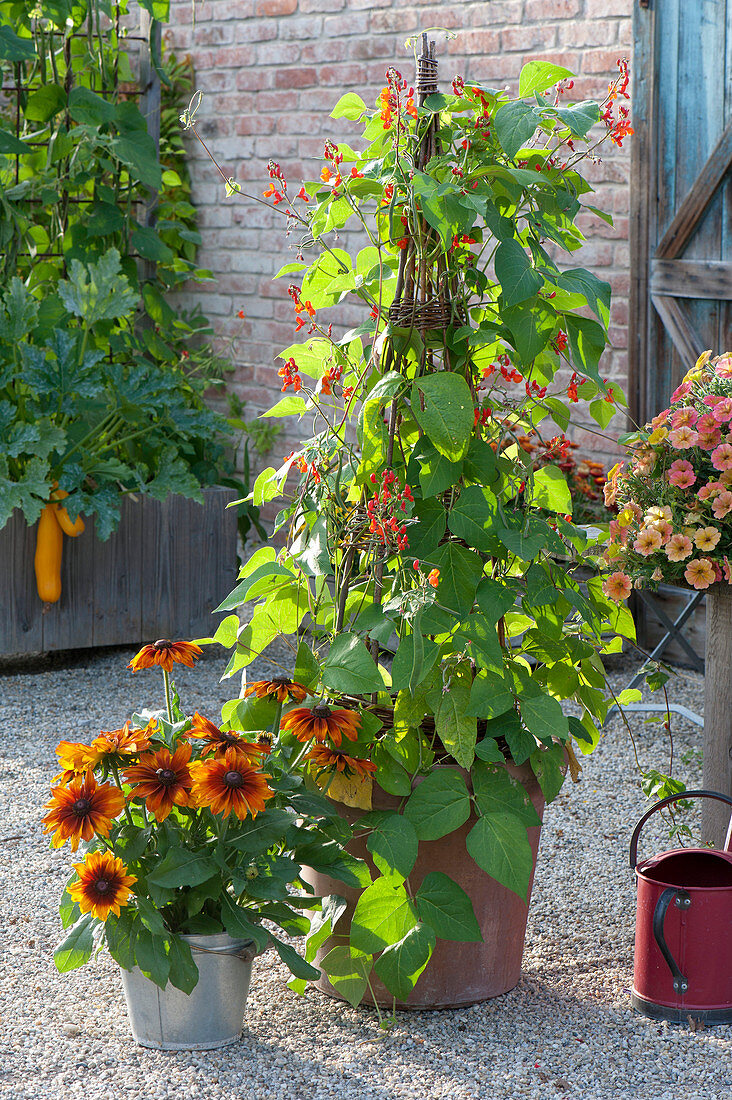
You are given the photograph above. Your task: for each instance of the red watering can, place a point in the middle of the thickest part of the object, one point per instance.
(683, 931)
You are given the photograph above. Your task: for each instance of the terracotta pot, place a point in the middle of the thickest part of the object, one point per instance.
(458, 973)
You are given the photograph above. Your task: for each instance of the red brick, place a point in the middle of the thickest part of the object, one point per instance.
(482, 42)
(600, 8)
(274, 8)
(528, 38)
(601, 61)
(254, 124)
(540, 11)
(296, 78)
(321, 5)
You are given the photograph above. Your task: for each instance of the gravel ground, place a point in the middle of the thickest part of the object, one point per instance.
(567, 1030)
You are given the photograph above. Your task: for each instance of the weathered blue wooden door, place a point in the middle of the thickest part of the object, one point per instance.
(681, 193)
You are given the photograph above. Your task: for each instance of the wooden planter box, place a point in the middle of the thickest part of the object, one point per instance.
(160, 575)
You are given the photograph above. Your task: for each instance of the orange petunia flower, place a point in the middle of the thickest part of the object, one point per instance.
(322, 722)
(103, 886)
(162, 780)
(229, 783)
(324, 758)
(218, 741)
(82, 809)
(279, 688)
(75, 759)
(124, 742)
(166, 654)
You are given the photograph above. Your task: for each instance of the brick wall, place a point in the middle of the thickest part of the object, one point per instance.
(271, 70)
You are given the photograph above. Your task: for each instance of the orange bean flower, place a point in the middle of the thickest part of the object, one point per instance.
(162, 780)
(217, 741)
(229, 783)
(103, 886)
(279, 688)
(324, 758)
(81, 810)
(165, 654)
(321, 722)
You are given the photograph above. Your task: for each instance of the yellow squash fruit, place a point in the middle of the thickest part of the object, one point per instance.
(49, 547)
(73, 530)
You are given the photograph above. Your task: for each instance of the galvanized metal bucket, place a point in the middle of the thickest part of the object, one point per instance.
(212, 1016)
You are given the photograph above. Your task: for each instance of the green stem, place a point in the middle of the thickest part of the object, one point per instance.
(168, 699)
(115, 773)
(276, 720)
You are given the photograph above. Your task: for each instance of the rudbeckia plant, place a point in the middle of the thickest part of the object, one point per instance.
(418, 585)
(183, 829)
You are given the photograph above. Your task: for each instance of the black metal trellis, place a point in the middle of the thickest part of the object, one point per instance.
(29, 76)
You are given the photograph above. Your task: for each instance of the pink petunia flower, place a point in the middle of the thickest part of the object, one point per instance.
(681, 474)
(723, 410)
(617, 586)
(682, 438)
(723, 367)
(722, 505)
(647, 542)
(680, 391)
(664, 529)
(707, 423)
(721, 457)
(706, 538)
(679, 547)
(709, 440)
(685, 417)
(699, 573)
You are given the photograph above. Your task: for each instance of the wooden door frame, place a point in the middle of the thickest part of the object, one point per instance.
(659, 280)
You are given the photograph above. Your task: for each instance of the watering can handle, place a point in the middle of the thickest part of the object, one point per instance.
(666, 802)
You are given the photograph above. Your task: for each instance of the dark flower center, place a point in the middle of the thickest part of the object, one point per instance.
(233, 779)
(281, 680)
(81, 807)
(101, 886)
(166, 776)
(162, 643)
(321, 711)
(231, 738)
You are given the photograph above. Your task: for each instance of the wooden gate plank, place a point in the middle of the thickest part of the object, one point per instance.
(21, 629)
(684, 335)
(68, 623)
(692, 278)
(118, 580)
(697, 200)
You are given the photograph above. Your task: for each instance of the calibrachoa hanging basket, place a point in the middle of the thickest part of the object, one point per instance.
(674, 494)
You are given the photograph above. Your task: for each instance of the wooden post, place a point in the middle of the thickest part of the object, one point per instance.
(717, 771)
(150, 29)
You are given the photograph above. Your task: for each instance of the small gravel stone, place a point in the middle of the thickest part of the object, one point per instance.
(567, 1030)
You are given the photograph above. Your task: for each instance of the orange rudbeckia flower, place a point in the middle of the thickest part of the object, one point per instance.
(324, 758)
(229, 783)
(165, 654)
(217, 741)
(322, 722)
(124, 742)
(103, 886)
(162, 780)
(82, 809)
(279, 687)
(75, 759)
